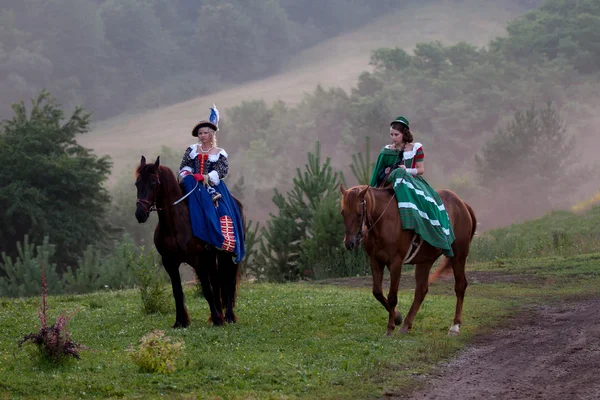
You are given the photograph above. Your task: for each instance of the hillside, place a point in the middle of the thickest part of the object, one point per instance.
(334, 63)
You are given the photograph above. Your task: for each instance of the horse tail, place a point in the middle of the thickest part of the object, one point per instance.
(445, 269)
(442, 271)
(235, 271)
(473, 220)
(242, 213)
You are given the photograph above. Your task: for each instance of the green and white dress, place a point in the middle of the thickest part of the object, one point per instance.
(420, 207)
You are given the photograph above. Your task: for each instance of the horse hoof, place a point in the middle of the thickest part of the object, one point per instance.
(180, 325)
(454, 331)
(398, 318)
(231, 319)
(216, 321)
(403, 331)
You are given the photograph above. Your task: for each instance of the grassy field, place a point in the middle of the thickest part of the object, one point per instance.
(295, 341)
(559, 233)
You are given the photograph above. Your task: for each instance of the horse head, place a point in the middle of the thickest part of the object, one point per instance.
(354, 210)
(147, 183)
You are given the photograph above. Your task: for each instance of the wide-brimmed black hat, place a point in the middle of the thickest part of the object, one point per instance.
(202, 124)
(212, 123)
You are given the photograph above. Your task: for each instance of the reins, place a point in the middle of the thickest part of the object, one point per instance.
(365, 218)
(416, 242)
(150, 205)
(185, 197)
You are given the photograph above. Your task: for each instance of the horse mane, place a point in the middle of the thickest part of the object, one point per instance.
(167, 178)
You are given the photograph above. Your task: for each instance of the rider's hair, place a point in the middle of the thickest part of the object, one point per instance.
(407, 136)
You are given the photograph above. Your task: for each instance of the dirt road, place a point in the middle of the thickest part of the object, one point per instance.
(549, 353)
(544, 353)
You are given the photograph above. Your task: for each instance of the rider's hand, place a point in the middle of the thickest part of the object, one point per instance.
(206, 179)
(402, 166)
(387, 170)
(198, 177)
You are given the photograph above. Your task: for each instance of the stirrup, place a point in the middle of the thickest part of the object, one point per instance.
(216, 197)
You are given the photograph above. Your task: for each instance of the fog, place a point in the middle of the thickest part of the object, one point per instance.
(148, 73)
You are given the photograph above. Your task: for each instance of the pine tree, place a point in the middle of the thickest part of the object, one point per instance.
(362, 167)
(284, 233)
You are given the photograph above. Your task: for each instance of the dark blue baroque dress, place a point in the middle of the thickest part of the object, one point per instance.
(217, 223)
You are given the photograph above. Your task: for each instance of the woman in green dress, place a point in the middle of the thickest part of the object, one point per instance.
(401, 165)
(402, 153)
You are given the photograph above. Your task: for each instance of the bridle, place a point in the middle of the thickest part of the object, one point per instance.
(415, 244)
(149, 204)
(364, 217)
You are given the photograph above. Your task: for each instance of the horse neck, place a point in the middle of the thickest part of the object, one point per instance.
(169, 192)
(378, 203)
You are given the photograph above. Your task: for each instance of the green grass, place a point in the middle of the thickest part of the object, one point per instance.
(559, 233)
(294, 341)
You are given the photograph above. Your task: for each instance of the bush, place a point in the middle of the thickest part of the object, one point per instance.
(86, 278)
(157, 353)
(22, 276)
(97, 270)
(152, 281)
(118, 271)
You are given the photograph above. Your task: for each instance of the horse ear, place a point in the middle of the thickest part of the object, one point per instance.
(343, 188)
(143, 161)
(157, 162)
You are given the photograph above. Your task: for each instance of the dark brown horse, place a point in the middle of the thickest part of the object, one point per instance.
(157, 188)
(371, 215)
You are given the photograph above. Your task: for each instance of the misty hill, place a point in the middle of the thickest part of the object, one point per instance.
(334, 63)
(112, 56)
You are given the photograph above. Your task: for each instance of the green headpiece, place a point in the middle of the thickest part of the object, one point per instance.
(401, 120)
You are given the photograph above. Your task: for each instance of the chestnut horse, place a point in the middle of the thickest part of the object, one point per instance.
(157, 188)
(371, 215)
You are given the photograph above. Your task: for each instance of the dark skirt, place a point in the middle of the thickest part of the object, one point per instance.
(220, 226)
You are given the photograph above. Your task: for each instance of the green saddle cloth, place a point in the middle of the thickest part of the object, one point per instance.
(421, 209)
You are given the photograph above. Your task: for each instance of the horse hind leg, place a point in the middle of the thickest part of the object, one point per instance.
(460, 287)
(421, 289)
(229, 275)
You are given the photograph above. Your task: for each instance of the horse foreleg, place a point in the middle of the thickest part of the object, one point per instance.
(421, 289)
(460, 286)
(182, 318)
(205, 270)
(377, 274)
(394, 316)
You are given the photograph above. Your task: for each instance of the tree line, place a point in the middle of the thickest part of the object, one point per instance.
(115, 55)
